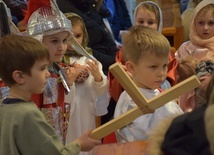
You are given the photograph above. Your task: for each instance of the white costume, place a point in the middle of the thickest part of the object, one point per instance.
(141, 128)
(89, 100)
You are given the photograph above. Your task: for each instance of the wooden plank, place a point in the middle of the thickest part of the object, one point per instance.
(134, 113)
(131, 88)
(116, 123)
(174, 92)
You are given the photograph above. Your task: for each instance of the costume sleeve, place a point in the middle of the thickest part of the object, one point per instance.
(185, 49)
(101, 89)
(39, 137)
(141, 128)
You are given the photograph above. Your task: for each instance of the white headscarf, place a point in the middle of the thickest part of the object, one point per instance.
(160, 26)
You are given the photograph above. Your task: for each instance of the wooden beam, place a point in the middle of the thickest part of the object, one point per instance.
(145, 106)
(127, 83)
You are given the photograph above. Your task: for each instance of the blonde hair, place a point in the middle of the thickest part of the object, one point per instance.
(206, 9)
(140, 40)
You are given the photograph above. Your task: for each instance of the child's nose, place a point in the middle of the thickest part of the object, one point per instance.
(145, 24)
(47, 74)
(162, 72)
(206, 26)
(62, 46)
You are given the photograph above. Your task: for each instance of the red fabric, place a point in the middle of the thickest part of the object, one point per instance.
(111, 138)
(38, 98)
(33, 5)
(115, 88)
(2, 84)
(172, 66)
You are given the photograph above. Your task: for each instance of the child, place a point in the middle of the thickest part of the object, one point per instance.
(101, 41)
(23, 128)
(186, 17)
(147, 14)
(146, 53)
(187, 67)
(91, 93)
(201, 35)
(50, 26)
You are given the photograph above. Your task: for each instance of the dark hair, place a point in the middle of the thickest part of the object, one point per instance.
(19, 53)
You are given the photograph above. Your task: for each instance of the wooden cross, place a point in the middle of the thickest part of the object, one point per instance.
(144, 106)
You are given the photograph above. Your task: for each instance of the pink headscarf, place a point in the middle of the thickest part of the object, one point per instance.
(194, 37)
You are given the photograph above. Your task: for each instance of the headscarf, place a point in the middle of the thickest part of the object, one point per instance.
(194, 37)
(85, 36)
(85, 33)
(160, 26)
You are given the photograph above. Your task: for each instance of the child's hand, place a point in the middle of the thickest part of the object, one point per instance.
(82, 72)
(93, 67)
(71, 74)
(86, 142)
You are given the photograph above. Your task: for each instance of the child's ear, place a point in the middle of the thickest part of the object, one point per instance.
(130, 67)
(18, 77)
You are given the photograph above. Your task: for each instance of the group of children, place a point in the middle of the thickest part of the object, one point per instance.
(71, 89)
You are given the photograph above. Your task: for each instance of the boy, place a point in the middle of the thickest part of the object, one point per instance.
(23, 128)
(50, 26)
(146, 53)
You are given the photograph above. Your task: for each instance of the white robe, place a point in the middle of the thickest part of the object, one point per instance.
(141, 128)
(90, 99)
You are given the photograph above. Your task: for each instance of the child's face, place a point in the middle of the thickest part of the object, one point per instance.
(146, 18)
(205, 25)
(150, 72)
(36, 82)
(57, 45)
(78, 34)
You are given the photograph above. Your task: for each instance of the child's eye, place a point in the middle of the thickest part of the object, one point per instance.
(140, 22)
(44, 68)
(65, 40)
(165, 66)
(151, 23)
(201, 23)
(54, 41)
(153, 67)
(78, 36)
(211, 23)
